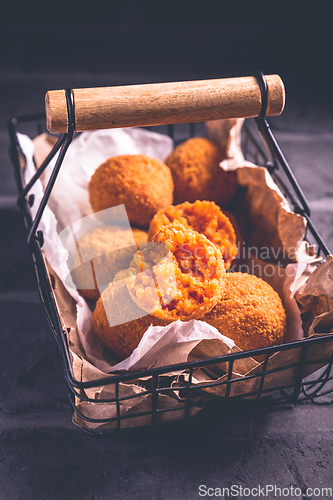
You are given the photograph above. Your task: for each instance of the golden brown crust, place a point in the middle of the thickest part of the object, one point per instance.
(250, 312)
(143, 184)
(187, 283)
(121, 338)
(196, 172)
(114, 250)
(206, 218)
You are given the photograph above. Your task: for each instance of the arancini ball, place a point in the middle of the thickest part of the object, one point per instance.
(184, 284)
(250, 312)
(143, 184)
(206, 218)
(118, 322)
(196, 173)
(104, 251)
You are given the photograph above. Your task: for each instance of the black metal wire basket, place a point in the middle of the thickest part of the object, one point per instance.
(155, 387)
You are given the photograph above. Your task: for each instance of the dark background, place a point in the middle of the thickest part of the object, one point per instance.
(46, 46)
(158, 38)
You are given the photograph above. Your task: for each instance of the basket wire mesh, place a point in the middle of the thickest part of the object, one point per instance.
(265, 153)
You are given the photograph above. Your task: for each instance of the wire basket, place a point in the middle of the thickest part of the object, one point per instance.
(263, 151)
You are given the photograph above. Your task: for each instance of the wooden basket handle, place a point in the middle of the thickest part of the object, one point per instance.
(163, 103)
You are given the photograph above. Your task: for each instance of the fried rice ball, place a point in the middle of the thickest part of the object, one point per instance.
(143, 184)
(206, 218)
(238, 260)
(184, 284)
(197, 175)
(104, 251)
(250, 312)
(123, 325)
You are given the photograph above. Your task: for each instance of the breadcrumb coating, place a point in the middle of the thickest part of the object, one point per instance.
(121, 338)
(113, 250)
(250, 312)
(185, 284)
(143, 184)
(206, 218)
(197, 175)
